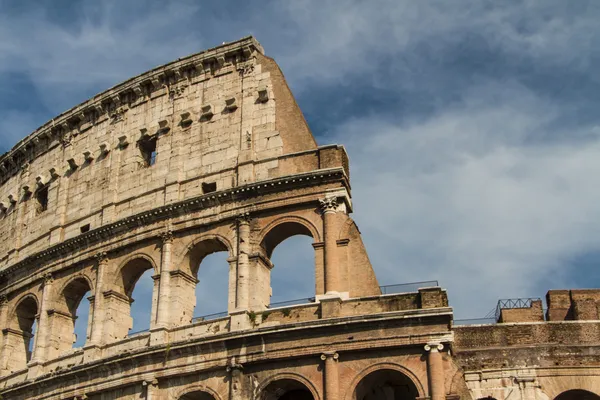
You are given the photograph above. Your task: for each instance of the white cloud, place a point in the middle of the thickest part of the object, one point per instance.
(487, 195)
(466, 198)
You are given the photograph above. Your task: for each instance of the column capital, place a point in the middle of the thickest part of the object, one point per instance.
(434, 347)
(48, 278)
(167, 236)
(233, 365)
(332, 355)
(328, 204)
(244, 218)
(101, 257)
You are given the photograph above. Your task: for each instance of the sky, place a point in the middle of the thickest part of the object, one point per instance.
(472, 126)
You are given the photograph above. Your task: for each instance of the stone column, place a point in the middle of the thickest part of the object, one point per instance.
(4, 351)
(242, 300)
(236, 386)
(40, 348)
(332, 275)
(162, 315)
(435, 371)
(97, 336)
(331, 375)
(152, 392)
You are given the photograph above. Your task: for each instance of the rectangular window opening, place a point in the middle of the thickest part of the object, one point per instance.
(209, 187)
(148, 150)
(41, 196)
(85, 228)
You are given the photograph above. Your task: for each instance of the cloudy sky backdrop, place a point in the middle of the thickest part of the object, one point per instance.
(473, 127)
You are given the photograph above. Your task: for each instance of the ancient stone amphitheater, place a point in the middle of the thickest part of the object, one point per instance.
(211, 153)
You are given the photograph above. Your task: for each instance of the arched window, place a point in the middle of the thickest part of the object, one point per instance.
(70, 323)
(141, 302)
(289, 246)
(131, 309)
(286, 389)
(577, 394)
(19, 338)
(386, 384)
(207, 261)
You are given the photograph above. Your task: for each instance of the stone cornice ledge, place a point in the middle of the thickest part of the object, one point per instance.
(147, 351)
(175, 209)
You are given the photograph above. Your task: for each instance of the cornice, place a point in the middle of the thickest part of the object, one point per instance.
(117, 99)
(174, 210)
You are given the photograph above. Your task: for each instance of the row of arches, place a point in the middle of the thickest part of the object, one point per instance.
(134, 287)
(383, 384)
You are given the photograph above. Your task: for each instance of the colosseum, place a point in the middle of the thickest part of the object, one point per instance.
(211, 153)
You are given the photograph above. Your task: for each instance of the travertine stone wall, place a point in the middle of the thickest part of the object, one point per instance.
(211, 153)
(225, 116)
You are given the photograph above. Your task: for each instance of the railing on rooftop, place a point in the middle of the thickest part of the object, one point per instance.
(474, 321)
(288, 303)
(406, 287)
(209, 317)
(514, 303)
(135, 333)
(387, 289)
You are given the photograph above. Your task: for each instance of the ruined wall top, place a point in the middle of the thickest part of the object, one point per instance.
(204, 124)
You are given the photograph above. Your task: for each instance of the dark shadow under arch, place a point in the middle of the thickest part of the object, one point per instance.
(577, 394)
(131, 272)
(385, 384)
(197, 395)
(286, 389)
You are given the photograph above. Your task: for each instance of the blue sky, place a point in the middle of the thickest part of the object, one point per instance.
(472, 126)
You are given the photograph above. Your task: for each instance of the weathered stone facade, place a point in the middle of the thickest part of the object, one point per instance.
(211, 153)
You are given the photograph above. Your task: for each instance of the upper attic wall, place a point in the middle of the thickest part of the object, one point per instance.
(218, 119)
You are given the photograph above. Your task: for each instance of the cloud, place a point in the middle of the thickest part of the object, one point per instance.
(472, 127)
(470, 198)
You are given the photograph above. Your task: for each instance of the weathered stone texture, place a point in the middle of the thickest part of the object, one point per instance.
(211, 153)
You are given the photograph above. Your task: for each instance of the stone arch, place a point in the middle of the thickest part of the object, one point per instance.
(271, 388)
(131, 269)
(280, 230)
(577, 394)
(200, 247)
(63, 318)
(398, 369)
(189, 265)
(283, 228)
(118, 318)
(197, 392)
(18, 337)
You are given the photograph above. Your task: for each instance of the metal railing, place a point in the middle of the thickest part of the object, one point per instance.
(406, 287)
(209, 317)
(295, 302)
(474, 321)
(135, 333)
(514, 303)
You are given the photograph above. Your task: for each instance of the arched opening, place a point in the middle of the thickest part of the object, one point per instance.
(386, 384)
(577, 394)
(19, 340)
(70, 325)
(286, 389)
(289, 246)
(197, 395)
(207, 262)
(135, 304)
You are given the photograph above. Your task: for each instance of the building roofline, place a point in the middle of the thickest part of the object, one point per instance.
(216, 54)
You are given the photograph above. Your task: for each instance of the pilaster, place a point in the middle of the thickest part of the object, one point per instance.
(331, 375)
